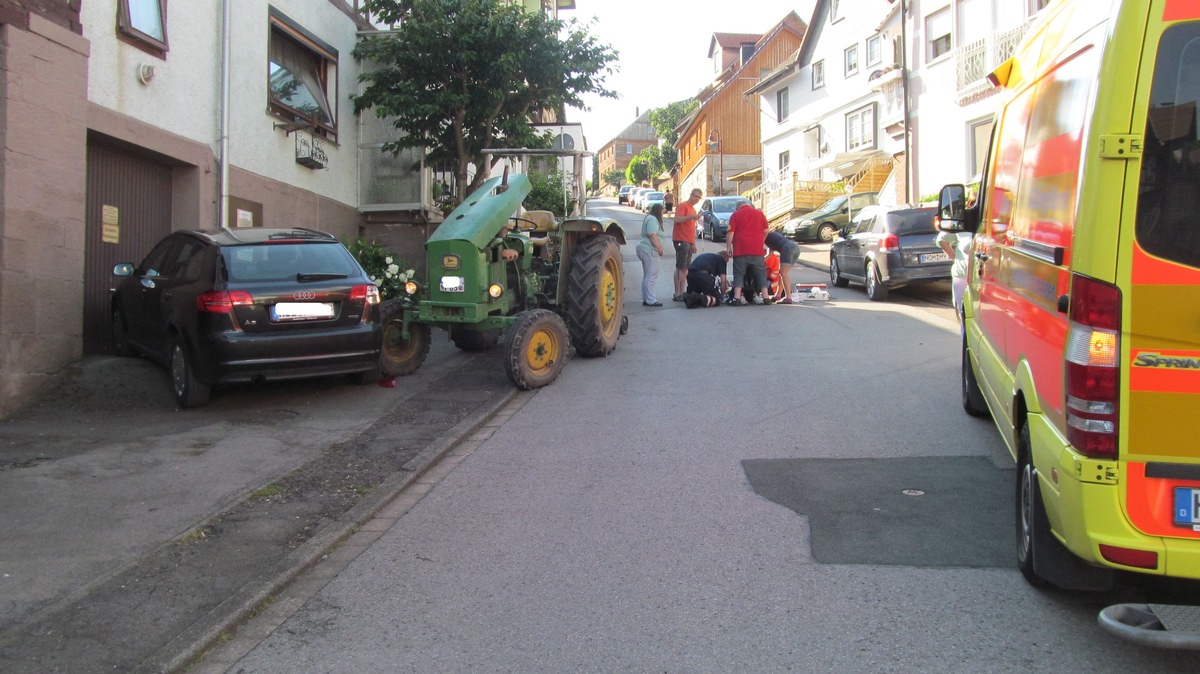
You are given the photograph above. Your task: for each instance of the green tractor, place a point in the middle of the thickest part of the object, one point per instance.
(499, 274)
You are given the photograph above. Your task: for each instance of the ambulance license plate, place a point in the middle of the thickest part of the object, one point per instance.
(1187, 507)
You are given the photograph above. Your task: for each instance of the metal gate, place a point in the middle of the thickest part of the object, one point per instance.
(128, 211)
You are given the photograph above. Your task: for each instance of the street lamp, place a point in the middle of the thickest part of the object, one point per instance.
(714, 145)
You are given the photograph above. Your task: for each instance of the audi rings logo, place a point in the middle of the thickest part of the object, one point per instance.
(306, 295)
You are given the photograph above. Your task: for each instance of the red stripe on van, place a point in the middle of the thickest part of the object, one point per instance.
(1150, 270)
(1178, 10)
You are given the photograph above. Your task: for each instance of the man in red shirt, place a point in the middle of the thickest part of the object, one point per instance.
(683, 235)
(746, 241)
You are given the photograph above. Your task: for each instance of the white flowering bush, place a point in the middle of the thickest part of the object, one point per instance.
(386, 270)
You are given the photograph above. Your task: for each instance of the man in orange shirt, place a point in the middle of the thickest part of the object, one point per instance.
(683, 235)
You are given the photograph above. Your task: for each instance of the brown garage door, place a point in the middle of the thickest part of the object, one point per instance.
(128, 211)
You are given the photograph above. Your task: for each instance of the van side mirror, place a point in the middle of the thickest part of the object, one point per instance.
(952, 209)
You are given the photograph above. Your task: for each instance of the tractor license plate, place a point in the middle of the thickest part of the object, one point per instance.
(300, 311)
(1187, 507)
(452, 284)
(934, 257)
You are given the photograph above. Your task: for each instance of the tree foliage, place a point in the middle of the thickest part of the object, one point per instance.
(615, 177)
(637, 171)
(459, 76)
(549, 192)
(664, 121)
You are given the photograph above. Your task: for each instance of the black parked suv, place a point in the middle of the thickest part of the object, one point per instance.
(242, 305)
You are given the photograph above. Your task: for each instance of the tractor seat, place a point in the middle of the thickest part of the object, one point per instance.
(543, 221)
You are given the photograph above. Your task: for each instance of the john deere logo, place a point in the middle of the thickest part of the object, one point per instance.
(1170, 362)
(450, 262)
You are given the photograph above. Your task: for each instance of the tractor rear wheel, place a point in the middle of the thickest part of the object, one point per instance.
(474, 340)
(398, 356)
(536, 349)
(594, 296)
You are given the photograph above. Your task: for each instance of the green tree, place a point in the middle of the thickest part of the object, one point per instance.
(653, 155)
(459, 76)
(637, 171)
(664, 121)
(549, 192)
(615, 177)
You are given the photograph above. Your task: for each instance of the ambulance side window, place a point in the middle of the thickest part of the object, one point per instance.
(1006, 169)
(1169, 190)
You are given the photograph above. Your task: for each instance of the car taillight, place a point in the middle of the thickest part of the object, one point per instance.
(223, 301)
(1092, 371)
(889, 242)
(368, 293)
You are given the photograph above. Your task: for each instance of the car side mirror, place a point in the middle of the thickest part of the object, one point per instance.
(123, 269)
(952, 209)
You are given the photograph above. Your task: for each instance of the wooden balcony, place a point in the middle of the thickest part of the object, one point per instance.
(800, 196)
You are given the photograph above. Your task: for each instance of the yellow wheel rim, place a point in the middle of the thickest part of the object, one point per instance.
(542, 352)
(610, 294)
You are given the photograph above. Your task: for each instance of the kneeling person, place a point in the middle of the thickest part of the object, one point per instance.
(706, 274)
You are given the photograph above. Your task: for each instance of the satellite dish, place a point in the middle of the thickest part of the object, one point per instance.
(563, 142)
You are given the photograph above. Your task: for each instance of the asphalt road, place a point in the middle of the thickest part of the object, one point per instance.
(786, 488)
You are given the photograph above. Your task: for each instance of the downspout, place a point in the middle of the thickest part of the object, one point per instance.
(227, 51)
(908, 172)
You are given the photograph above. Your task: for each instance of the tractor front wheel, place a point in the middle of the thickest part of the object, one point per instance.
(594, 301)
(398, 356)
(536, 349)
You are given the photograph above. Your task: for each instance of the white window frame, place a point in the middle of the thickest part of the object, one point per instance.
(818, 74)
(874, 50)
(783, 106)
(785, 161)
(850, 56)
(860, 128)
(939, 46)
(834, 17)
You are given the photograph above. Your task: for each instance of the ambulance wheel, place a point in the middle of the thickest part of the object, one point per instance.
(972, 398)
(1030, 514)
(876, 291)
(536, 349)
(399, 357)
(594, 296)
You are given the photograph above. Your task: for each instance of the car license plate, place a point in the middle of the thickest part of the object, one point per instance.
(301, 311)
(934, 257)
(1187, 507)
(453, 284)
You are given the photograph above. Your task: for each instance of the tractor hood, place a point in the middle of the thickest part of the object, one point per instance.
(480, 218)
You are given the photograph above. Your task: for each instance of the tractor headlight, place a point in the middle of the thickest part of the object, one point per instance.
(495, 291)
(411, 288)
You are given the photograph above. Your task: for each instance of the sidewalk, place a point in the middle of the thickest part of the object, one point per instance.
(133, 534)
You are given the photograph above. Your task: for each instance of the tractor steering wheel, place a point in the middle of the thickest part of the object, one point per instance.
(532, 225)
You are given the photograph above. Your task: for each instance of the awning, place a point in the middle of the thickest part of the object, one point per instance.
(847, 163)
(749, 174)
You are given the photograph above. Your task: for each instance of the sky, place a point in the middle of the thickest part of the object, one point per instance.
(662, 49)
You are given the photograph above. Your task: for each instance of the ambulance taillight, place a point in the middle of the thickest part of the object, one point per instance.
(1092, 368)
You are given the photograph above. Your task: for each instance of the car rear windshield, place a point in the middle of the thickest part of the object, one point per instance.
(282, 261)
(902, 223)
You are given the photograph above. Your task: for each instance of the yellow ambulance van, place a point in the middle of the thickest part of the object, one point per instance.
(1082, 311)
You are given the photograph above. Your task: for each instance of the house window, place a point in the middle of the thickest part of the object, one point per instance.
(980, 133)
(851, 60)
(785, 160)
(302, 77)
(874, 50)
(781, 104)
(937, 31)
(818, 74)
(143, 23)
(1037, 6)
(860, 128)
(628, 148)
(833, 11)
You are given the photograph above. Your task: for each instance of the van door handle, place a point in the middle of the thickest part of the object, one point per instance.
(982, 257)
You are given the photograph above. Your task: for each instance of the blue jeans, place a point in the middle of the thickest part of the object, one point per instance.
(649, 260)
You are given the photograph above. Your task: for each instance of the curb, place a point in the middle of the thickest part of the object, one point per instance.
(188, 647)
